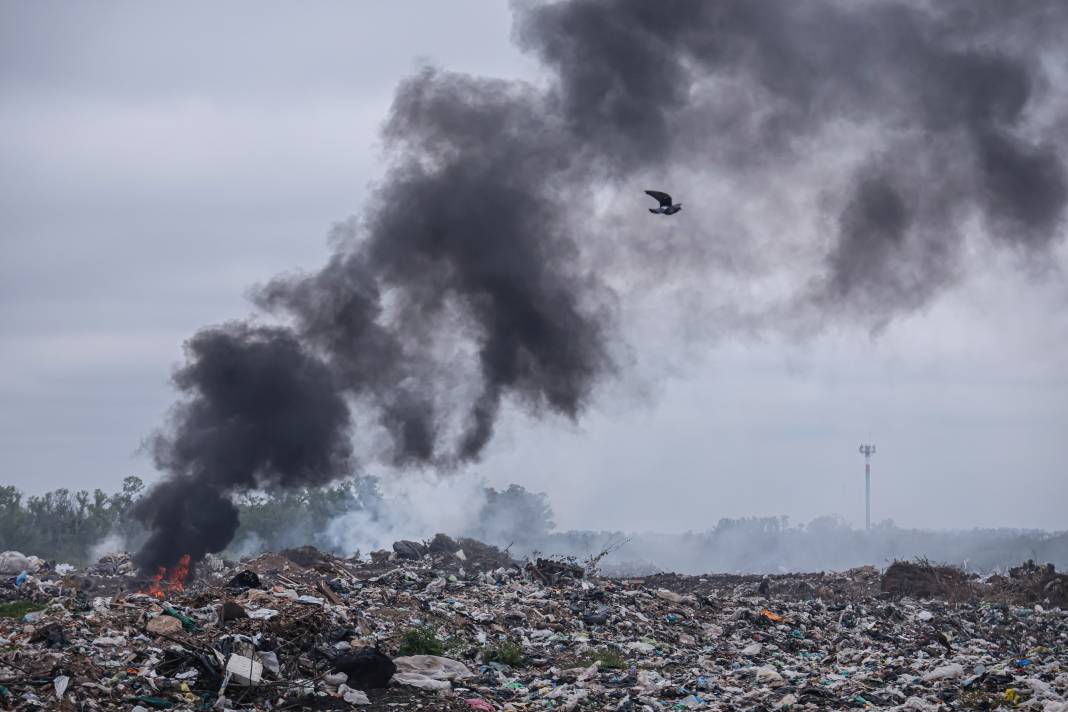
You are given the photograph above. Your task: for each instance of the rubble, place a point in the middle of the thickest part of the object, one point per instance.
(1033, 584)
(164, 625)
(300, 629)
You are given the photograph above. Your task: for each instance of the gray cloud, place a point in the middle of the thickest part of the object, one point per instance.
(469, 278)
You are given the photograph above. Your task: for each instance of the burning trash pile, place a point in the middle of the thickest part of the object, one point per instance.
(458, 625)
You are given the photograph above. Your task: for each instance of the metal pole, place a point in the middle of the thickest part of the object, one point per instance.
(867, 495)
(867, 450)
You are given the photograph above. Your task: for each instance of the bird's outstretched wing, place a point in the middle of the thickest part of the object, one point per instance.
(662, 198)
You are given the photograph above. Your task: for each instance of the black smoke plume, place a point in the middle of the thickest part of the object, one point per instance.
(467, 237)
(468, 278)
(260, 412)
(959, 103)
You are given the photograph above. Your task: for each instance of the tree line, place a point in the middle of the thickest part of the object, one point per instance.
(64, 525)
(78, 526)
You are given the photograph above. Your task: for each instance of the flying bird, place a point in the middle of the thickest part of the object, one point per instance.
(666, 206)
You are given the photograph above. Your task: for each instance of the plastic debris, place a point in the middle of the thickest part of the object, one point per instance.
(264, 614)
(243, 670)
(352, 696)
(367, 668)
(245, 580)
(13, 563)
(943, 672)
(429, 672)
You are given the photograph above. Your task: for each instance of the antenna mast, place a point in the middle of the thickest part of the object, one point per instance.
(867, 450)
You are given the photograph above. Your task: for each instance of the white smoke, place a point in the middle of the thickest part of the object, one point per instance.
(113, 543)
(412, 507)
(249, 544)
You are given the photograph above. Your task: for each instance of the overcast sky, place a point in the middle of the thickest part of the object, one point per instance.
(158, 160)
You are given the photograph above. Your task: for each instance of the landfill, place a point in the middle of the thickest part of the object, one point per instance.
(459, 625)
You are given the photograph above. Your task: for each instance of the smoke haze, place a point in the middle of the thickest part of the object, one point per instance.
(839, 162)
(522, 522)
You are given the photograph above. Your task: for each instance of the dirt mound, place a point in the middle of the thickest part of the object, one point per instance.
(307, 556)
(484, 557)
(1030, 583)
(922, 579)
(443, 544)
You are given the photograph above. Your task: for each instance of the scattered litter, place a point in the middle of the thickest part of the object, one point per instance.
(305, 630)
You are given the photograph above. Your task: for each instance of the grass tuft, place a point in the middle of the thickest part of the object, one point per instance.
(505, 652)
(17, 609)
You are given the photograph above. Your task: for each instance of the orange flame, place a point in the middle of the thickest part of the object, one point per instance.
(162, 584)
(180, 573)
(155, 589)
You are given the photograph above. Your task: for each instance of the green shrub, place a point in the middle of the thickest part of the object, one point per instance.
(455, 646)
(610, 659)
(505, 652)
(420, 641)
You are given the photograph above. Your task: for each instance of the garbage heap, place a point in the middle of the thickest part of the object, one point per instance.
(458, 625)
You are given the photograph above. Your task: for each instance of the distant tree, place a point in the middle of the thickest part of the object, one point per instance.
(278, 519)
(14, 519)
(513, 515)
(62, 524)
(828, 524)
